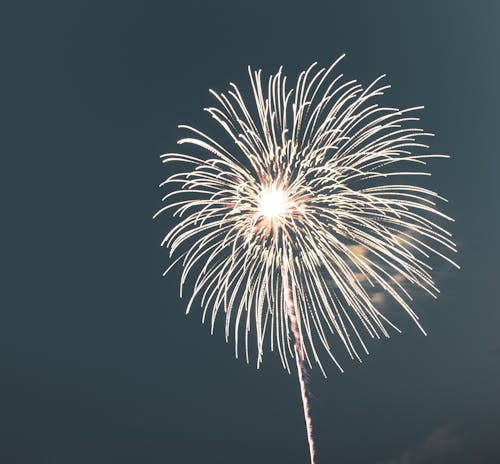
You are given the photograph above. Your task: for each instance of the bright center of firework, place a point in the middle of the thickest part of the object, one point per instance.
(273, 203)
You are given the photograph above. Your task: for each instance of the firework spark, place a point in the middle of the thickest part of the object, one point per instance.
(274, 218)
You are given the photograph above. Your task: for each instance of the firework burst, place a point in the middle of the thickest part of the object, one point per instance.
(288, 223)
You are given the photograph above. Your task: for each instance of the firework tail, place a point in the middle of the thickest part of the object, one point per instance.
(299, 359)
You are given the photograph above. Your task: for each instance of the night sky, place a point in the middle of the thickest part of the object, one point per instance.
(99, 363)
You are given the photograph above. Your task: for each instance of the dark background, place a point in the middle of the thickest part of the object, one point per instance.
(98, 361)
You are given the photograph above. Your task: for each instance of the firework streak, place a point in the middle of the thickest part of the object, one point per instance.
(299, 359)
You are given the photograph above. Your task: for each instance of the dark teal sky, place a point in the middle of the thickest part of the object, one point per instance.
(98, 361)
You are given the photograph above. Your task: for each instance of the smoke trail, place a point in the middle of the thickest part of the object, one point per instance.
(299, 359)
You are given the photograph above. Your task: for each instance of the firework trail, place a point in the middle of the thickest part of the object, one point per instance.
(299, 360)
(289, 225)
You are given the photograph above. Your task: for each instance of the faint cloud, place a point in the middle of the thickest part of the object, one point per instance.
(378, 298)
(442, 446)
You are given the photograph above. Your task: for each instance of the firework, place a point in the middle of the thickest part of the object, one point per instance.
(287, 224)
